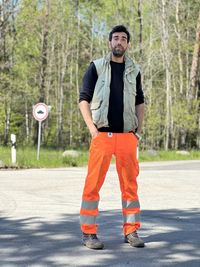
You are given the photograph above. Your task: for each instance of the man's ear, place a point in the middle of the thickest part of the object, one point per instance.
(109, 44)
(129, 45)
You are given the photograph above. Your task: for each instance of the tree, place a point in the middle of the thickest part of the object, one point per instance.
(43, 57)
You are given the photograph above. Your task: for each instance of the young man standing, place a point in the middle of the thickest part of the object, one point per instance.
(112, 105)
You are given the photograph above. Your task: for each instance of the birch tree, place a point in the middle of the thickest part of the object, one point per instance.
(194, 78)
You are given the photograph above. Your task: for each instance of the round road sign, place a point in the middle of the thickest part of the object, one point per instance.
(40, 111)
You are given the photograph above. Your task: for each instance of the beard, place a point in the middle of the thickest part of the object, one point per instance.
(118, 51)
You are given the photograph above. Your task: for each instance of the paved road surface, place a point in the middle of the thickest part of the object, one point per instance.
(39, 218)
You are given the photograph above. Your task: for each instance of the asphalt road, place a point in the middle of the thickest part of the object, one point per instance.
(39, 218)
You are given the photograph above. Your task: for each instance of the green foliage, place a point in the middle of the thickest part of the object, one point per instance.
(76, 32)
(183, 118)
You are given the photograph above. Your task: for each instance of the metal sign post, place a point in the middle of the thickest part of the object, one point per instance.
(40, 113)
(39, 139)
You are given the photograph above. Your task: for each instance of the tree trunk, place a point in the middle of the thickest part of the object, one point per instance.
(7, 123)
(194, 79)
(141, 28)
(77, 76)
(178, 33)
(195, 63)
(71, 104)
(61, 74)
(44, 55)
(166, 62)
(27, 121)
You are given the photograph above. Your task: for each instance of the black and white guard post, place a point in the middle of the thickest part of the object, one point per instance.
(40, 113)
(13, 148)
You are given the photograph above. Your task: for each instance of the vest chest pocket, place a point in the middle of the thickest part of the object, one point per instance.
(96, 105)
(131, 79)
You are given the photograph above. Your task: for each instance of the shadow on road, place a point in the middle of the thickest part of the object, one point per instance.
(168, 235)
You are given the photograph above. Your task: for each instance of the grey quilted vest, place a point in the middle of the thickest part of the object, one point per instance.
(100, 101)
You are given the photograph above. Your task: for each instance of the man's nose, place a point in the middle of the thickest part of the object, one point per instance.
(119, 42)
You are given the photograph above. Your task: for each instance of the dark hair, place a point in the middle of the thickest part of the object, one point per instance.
(119, 28)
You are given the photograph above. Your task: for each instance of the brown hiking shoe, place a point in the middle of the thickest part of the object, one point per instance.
(134, 240)
(92, 241)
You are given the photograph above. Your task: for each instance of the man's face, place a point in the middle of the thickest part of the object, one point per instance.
(119, 44)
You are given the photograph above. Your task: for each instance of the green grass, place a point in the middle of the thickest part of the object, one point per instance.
(51, 158)
(167, 155)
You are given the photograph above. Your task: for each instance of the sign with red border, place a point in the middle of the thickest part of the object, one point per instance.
(40, 111)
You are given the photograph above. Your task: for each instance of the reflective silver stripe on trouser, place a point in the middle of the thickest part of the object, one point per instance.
(88, 205)
(130, 204)
(131, 218)
(86, 219)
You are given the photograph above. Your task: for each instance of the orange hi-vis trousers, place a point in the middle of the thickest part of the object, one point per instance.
(124, 147)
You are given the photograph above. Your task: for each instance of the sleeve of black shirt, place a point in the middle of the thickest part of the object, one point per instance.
(139, 92)
(89, 82)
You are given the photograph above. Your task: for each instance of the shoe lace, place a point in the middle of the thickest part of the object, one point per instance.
(93, 236)
(134, 234)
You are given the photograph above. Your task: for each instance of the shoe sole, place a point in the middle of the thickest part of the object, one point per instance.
(142, 245)
(97, 248)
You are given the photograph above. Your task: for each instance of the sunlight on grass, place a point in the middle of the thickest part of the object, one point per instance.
(51, 158)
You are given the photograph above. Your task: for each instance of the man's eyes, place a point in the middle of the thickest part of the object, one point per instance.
(116, 39)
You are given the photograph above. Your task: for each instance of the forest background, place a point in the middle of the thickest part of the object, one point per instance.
(46, 46)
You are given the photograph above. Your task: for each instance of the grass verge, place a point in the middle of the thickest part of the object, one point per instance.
(51, 158)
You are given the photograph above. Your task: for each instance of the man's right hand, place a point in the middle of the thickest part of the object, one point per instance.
(93, 131)
(87, 116)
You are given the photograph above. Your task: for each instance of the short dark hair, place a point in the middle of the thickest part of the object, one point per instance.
(119, 28)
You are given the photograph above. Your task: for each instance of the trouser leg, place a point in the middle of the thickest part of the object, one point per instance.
(98, 164)
(128, 170)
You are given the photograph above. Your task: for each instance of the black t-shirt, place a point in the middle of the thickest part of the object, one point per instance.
(116, 107)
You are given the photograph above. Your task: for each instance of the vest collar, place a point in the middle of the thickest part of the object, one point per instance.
(128, 61)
